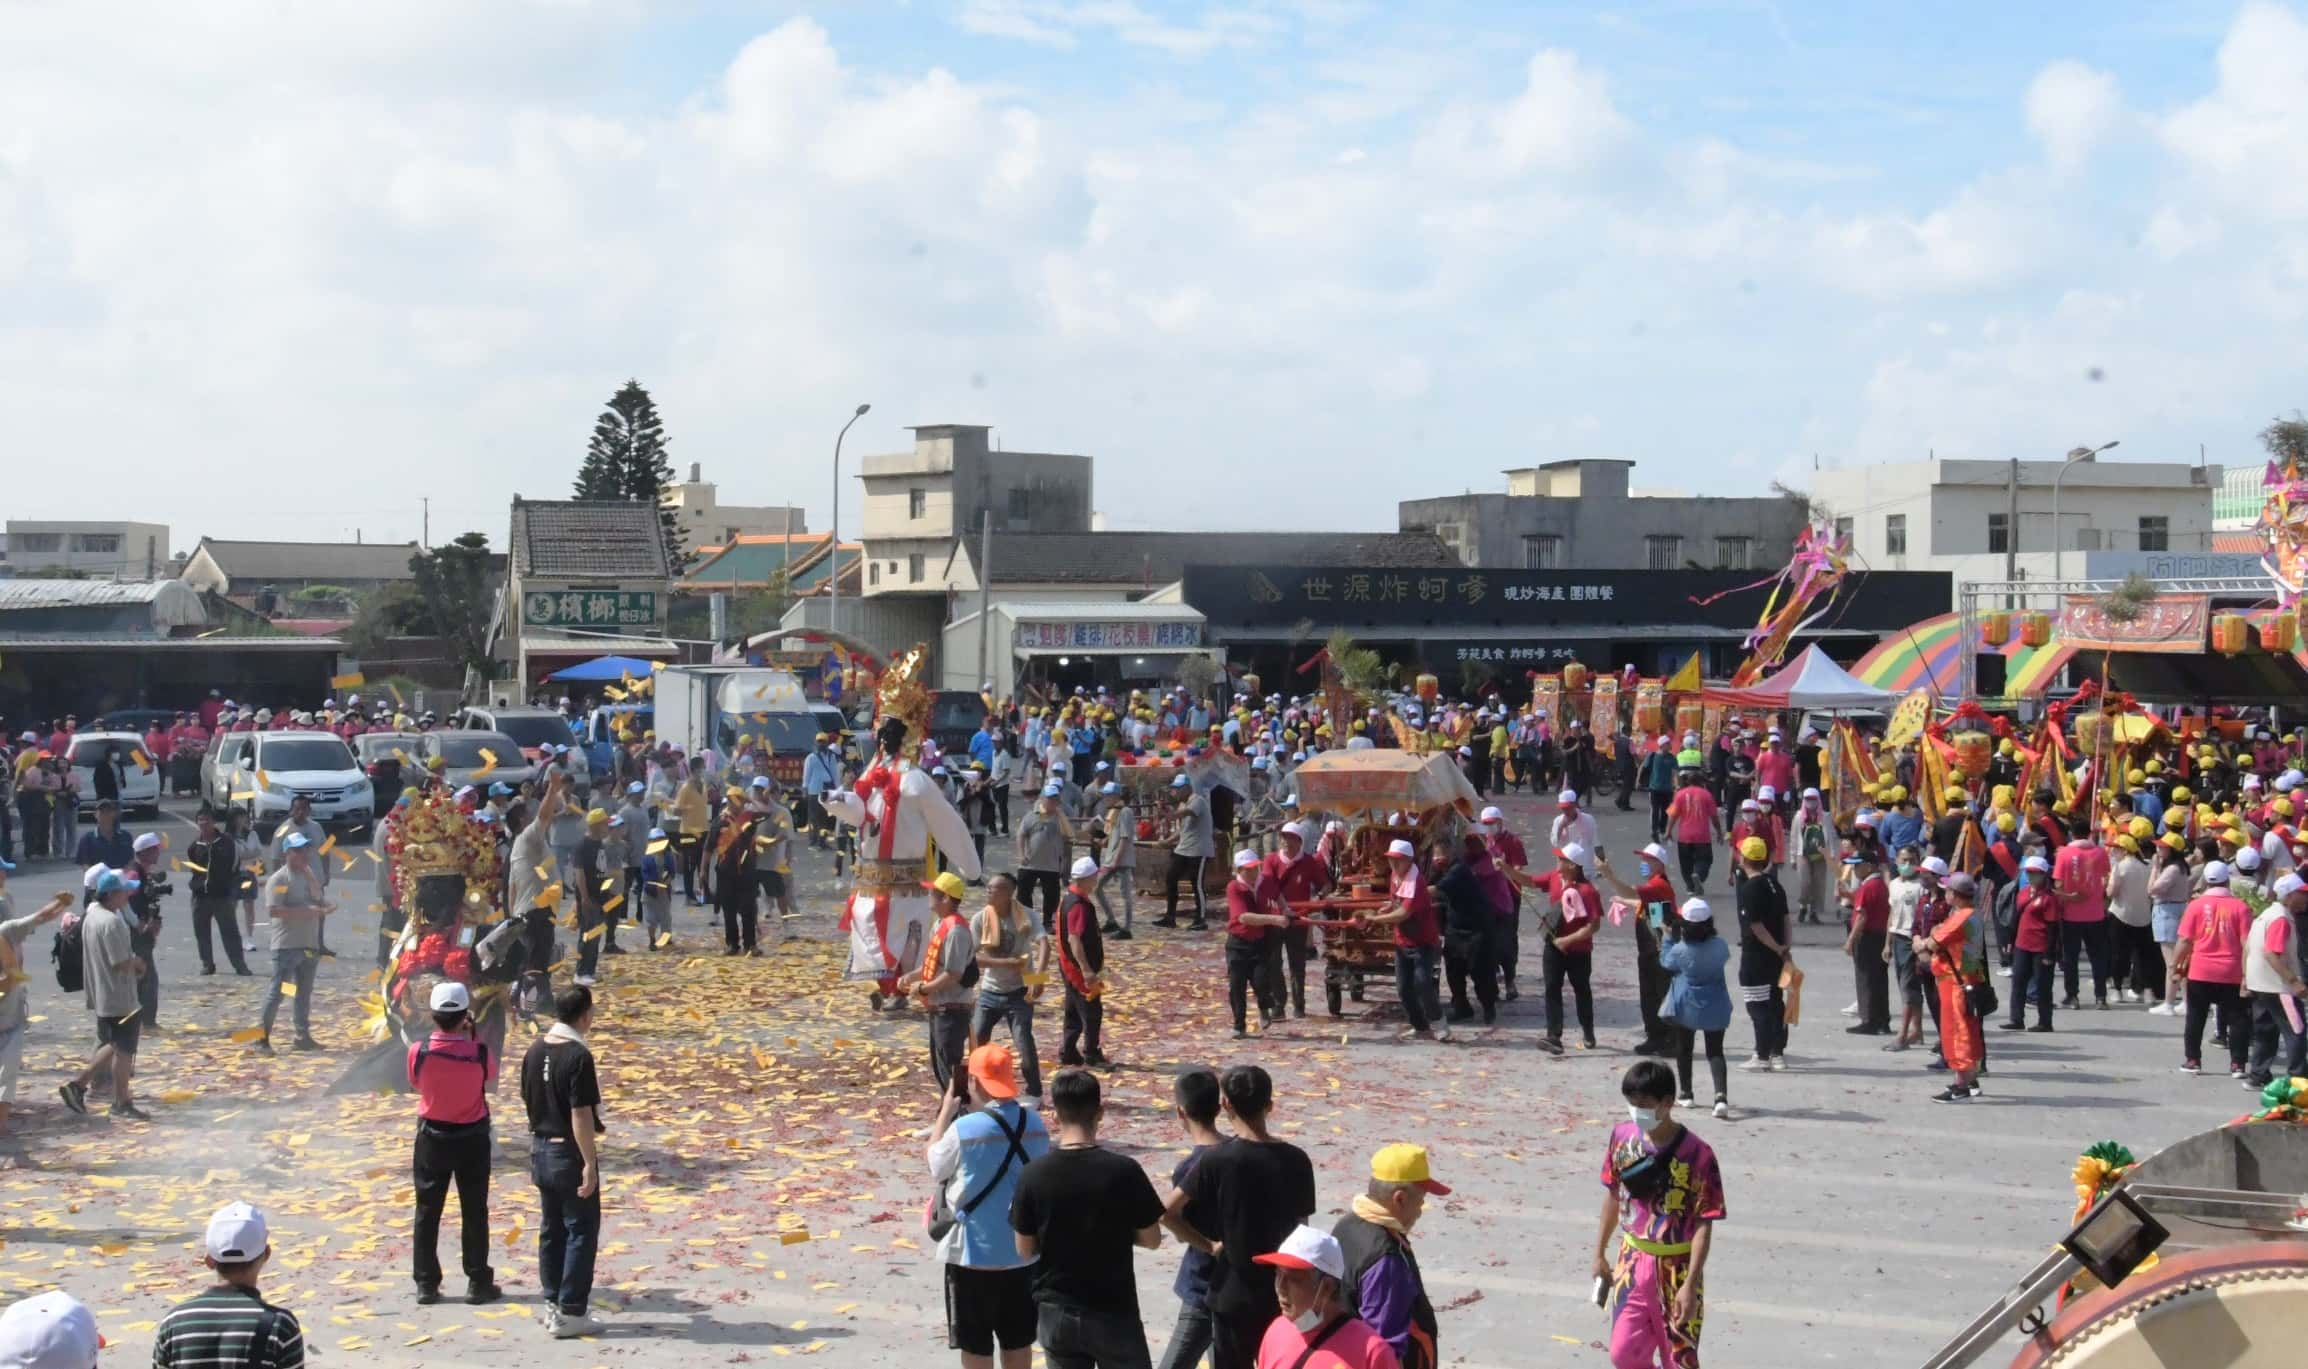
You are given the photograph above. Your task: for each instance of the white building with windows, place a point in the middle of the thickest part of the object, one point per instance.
(1994, 520)
(102, 549)
(1583, 514)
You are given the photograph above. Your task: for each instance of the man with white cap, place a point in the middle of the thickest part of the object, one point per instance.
(452, 1071)
(2272, 979)
(1410, 911)
(1082, 966)
(1317, 1328)
(51, 1330)
(1252, 920)
(1298, 877)
(1571, 826)
(1570, 948)
(1654, 900)
(231, 1324)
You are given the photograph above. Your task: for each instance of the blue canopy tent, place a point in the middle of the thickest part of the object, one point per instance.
(603, 669)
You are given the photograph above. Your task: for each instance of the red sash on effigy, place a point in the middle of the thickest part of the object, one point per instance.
(883, 780)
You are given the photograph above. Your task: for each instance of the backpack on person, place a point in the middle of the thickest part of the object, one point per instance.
(66, 951)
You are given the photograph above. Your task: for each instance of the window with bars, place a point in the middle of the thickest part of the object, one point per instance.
(1999, 532)
(1663, 552)
(1734, 553)
(1895, 534)
(1543, 552)
(2155, 532)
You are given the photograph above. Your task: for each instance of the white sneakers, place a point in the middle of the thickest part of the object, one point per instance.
(571, 1328)
(1755, 1062)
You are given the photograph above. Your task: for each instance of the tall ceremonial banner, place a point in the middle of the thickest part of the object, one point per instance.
(1850, 772)
(1650, 714)
(1603, 716)
(1547, 694)
(1710, 726)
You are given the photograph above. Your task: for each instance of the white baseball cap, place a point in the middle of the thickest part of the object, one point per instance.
(2216, 872)
(1656, 852)
(450, 996)
(296, 841)
(1696, 910)
(1109, 787)
(1307, 1248)
(1180, 783)
(1399, 847)
(1811, 793)
(52, 1330)
(93, 873)
(1493, 815)
(637, 787)
(2037, 864)
(236, 1233)
(1294, 829)
(1767, 794)
(1567, 796)
(2248, 859)
(146, 841)
(1750, 806)
(1575, 854)
(1933, 865)
(2288, 884)
(1085, 868)
(1245, 858)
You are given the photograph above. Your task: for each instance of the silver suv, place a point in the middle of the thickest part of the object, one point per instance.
(541, 734)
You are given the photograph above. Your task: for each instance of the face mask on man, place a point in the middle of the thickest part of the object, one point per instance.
(1308, 1320)
(1645, 1119)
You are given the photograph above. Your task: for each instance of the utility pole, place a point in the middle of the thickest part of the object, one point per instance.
(2011, 530)
(427, 533)
(985, 587)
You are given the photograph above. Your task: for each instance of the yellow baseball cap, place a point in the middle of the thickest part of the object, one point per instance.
(1754, 848)
(2006, 822)
(2175, 841)
(1403, 1163)
(1955, 793)
(2140, 827)
(596, 815)
(949, 884)
(2135, 777)
(2180, 794)
(2126, 843)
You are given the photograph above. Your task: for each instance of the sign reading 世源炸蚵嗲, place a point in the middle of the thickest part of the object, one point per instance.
(598, 608)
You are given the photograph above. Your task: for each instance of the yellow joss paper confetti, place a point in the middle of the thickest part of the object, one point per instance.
(330, 844)
(792, 1237)
(489, 759)
(288, 988)
(246, 1035)
(591, 934)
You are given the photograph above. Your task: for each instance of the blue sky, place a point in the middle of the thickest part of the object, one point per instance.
(1273, 262)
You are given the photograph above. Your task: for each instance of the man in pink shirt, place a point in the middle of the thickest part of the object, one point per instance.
(1691, 815)
(2080, 879)
(1775, 769)
(1316, 1330)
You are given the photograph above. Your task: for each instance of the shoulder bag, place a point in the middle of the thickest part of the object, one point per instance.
(942, 1217)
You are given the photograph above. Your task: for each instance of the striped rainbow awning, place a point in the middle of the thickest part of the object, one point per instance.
(1929, 655)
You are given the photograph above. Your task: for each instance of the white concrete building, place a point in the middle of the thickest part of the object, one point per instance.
(918, 503)
(707, 522)
(1958, 515)
(107, 549)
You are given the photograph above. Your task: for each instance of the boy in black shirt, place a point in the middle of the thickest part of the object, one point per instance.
(1252, 1191)
(1764, 953)
(1078, 1211)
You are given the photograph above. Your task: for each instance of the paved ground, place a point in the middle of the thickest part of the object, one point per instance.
(765, 1180)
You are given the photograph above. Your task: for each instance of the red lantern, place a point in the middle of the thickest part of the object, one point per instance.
(1995, 628)
(2231, 633)
(2035, 629)
(2279, 633)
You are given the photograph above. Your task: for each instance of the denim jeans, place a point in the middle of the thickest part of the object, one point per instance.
(1076, 1338)
(1015, 1008)
(298, 968)
(1416, 985)
(1189, 1338)
(569, 1227)
(2275, 1046)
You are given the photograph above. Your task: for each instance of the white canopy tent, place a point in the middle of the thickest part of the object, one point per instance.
(1811, 682)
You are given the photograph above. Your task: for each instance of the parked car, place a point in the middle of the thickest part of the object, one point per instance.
(267, 770)
(387, 758)
(139, 778)
(533, 730)
(601, 739)
(955, 717)
(137, 720)
(462, 762)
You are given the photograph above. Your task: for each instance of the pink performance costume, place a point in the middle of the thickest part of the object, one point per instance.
(898, 811)
(1655, 1248)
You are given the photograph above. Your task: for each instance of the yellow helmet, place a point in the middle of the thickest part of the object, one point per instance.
(2140, 827)
(2175, 841)
(2126, 843)
(2135, 777)
(1955, 793)
(2155, 767)
(2006, 822)
(2180, 794)
(2283, 807)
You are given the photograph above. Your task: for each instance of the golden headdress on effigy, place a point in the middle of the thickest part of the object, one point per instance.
(903, 695)
(434, 839)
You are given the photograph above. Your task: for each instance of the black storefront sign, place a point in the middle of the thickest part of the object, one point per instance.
(1358, 598)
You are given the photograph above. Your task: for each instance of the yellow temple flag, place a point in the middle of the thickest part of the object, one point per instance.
(1687, 679)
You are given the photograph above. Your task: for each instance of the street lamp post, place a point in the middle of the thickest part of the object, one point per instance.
(2060, 546)
(833, 547)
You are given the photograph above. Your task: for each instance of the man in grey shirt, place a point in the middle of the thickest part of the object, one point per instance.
(1042, 838)
(1189, 857)
(296, 899)
(298, 823)
(110, 969)
(938, 979)
(1010, 949)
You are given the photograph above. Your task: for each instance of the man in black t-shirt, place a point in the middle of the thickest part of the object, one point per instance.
(1251, 1192)
(562, 1093)
(1078, 1211)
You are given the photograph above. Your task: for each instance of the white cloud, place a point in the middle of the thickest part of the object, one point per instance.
(1061, 25)
(2247, 140)
(2071, 108)
(1562, 120)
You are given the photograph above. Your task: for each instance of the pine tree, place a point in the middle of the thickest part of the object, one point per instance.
(627, 460)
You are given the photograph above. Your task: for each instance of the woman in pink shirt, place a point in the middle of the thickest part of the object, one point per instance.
(2211, 954)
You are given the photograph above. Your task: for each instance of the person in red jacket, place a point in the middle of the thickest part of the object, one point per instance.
(1410, 911)
(1298, 876)
(2035, 946)
(452, 1071)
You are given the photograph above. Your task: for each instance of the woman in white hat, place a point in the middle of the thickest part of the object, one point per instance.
(1698, 1001)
